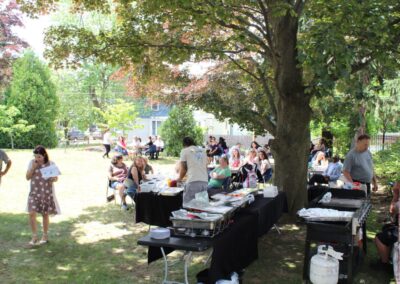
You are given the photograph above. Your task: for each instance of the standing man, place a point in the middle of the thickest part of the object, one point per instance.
(193, 161)
(358, 165)
(107, 142)
(4, 158)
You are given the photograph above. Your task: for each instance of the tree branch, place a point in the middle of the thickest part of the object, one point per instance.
(267, 90)
(243, 68)
(298, 6)
(250, 35)
(269, 34)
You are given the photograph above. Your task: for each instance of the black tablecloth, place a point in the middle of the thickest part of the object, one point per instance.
(268, 211)
(154, 209)
(234, 249)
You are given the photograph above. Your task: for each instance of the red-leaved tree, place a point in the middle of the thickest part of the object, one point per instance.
(10, 44)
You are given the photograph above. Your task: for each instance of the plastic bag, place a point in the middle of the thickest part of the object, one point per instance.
(234, 279)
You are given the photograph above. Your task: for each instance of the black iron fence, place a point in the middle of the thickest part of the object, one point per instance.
(381, 142)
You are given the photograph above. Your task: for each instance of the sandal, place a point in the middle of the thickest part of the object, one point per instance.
(34, 241)
(44, 240)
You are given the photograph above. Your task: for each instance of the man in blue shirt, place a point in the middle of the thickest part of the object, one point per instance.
(332, 173)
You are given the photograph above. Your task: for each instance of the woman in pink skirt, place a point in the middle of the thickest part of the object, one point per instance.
(41, 198)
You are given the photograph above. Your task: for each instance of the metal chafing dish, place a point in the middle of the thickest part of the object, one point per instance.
(344, 234)
(192, 224)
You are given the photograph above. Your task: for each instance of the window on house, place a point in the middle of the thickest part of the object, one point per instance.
(155, 106)
(155, 127)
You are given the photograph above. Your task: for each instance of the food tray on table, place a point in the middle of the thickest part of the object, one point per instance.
(198, 224)
(325, 215)
(170, 191)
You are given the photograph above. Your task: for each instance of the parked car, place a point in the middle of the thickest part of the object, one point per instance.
(94, 133)
(76, 135)
(97, 134)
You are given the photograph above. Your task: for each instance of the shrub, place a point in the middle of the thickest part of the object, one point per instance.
(179, 124)
(387, 164)
(34, 95)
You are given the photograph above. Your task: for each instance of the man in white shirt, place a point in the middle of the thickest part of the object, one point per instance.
(193, 161)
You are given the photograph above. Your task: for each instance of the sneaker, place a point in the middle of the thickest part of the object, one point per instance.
(110, 198)
(124, 207)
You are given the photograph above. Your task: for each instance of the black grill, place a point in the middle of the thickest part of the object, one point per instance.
(342, 235)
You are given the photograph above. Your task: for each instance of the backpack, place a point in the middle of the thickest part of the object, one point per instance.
(247, 176)
(251, 177)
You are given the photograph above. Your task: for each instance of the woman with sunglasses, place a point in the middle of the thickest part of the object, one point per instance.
(41, 199)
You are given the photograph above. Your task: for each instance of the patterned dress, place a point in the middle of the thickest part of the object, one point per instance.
(41, 197)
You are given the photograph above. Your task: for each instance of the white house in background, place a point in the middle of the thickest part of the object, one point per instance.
(149, 123)
(213, 126)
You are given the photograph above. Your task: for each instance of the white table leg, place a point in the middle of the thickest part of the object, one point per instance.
(187, 257)
(277, 229)
(186, 265)
(165, 265)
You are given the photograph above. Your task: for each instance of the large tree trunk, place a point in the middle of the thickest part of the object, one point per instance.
(291, 148)
(292, 135)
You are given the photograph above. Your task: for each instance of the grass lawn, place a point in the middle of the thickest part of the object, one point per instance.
(95, 242)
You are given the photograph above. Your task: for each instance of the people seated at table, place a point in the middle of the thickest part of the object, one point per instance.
(208, 144)
(235, 160)
(321, 146)
(331, 174)
(223, 148)
(121, 146)
(385, 239)
(136, 147)
(136, 174)
(213, 149)
(267, 149)
(251, 157)
(237, 146)
(117, 173)
(254, 145)
(265, 165)
(159, 145)
(319, 159)
(219, 174)
(148, 169)
(151, 148)
(249, 173)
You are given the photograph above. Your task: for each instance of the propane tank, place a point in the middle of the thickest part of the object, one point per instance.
(324, 268)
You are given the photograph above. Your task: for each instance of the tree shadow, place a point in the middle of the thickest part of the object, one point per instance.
(98, 246)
